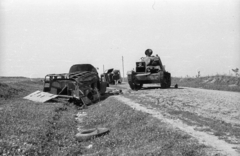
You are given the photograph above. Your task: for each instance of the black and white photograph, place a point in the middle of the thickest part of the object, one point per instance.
(120, 78)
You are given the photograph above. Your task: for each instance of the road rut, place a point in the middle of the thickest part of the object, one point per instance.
(212, 117)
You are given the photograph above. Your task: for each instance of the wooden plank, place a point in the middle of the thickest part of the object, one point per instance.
(39, 96)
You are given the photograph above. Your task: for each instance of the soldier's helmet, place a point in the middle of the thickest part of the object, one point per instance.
(148, 52)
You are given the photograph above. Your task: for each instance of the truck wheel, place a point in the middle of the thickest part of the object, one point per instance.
(91, 133)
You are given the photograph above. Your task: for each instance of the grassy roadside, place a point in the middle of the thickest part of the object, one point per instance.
(135, 133)
(30, 128)
(217, 82)
(223, 130)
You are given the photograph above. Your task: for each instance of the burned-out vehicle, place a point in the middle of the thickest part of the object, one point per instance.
(81, 85)
(149, 70)
(110, 75)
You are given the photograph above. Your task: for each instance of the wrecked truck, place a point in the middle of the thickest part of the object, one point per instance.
(110, 74)
(81, 85)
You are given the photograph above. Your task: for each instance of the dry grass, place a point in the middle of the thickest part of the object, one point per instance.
(30, 128)
(217, 82)
(135, 133)
(219, 127)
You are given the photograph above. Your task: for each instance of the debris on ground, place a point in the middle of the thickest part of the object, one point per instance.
(114, 92)
(81, 85)
(88, 134)
(89, 146)
(40, 96)
(176, 86)
(79, 116)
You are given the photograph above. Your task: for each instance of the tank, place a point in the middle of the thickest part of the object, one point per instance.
(149, 70)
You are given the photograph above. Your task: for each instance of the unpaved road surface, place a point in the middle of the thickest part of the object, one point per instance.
(212, 117)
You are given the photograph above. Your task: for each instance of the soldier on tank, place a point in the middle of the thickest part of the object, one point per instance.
(147, 59)
(148, 52)
(152, 62)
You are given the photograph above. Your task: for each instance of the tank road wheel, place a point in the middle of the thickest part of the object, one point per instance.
(138, 86)
(163, 84)
(131, 84)
(169, 81)
(135, 86)
(131, 81)
(166, 81)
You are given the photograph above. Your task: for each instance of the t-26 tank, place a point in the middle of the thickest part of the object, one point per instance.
(149, 70)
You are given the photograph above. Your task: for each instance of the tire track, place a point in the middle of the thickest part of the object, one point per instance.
(204, 138)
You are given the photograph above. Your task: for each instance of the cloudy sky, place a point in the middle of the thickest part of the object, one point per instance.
(48, 36)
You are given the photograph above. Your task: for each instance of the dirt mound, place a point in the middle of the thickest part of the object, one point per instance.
(9, 90)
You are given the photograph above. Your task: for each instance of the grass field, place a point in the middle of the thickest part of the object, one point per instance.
(31, 128)
(217, 82)
(135, 133)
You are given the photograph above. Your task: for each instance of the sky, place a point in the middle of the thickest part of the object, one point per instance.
(49, 36)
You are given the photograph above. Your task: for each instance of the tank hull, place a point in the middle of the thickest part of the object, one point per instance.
(136, 80)
(149, 70)
(148, 78)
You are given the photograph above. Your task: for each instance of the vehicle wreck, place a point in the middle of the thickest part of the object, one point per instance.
(81, 85)
(112, 76)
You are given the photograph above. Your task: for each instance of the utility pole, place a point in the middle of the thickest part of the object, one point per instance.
(123, 67)
(103, 68)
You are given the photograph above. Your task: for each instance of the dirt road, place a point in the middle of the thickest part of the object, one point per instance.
(212, 117)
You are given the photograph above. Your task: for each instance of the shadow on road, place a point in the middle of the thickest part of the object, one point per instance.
(105, 96)
(148, 88)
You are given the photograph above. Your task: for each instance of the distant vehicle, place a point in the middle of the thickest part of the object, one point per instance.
(80, 83)
(149, 70)
(110, 74)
